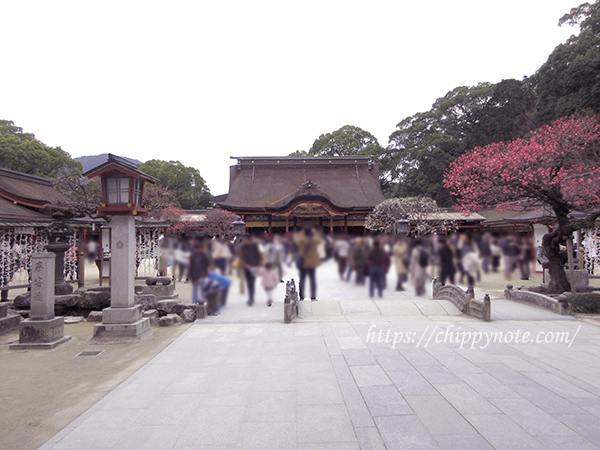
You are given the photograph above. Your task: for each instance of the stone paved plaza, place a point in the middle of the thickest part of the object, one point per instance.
(335, 379)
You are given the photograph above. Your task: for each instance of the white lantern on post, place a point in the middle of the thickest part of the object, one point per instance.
(238, 227)
(122, 189)
(403, 226)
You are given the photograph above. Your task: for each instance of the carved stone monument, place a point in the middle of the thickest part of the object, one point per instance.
(42, 329)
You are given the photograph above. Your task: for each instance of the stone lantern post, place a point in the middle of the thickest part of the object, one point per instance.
(122, 190)
(403, 226)
(58, 244)
(238, 227)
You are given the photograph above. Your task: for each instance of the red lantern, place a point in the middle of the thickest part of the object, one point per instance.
(122, 187)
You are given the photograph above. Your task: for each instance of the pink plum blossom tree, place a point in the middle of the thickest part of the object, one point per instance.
(557, 166)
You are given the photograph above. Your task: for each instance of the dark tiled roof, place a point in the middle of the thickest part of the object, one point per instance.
(542, 215)
(219, 198)
(493, 216)
(12, 212)
(274, 183)
(116, 163)
(28, 189)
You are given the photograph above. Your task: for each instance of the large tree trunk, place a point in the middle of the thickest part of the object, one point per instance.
(556, 261)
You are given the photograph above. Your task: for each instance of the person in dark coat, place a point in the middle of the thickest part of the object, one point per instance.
(447, 266)
(376, 260)
(359, 256)
(251, 259)
(199, 266)
(419, 260)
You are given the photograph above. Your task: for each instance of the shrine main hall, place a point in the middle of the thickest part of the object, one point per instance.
(279, 194)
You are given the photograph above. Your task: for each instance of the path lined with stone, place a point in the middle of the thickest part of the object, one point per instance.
(335, 380)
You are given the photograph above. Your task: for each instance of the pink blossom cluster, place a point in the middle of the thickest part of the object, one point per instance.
(556, 164)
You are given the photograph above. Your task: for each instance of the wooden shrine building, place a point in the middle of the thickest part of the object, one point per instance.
(281, 194)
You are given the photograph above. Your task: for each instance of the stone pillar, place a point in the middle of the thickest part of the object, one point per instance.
(42, 288)
(487, 308)
(42, 329)
(123, 317)
(122, 261)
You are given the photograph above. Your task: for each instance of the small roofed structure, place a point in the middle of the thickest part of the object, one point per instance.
(27, 204)
(288, 192)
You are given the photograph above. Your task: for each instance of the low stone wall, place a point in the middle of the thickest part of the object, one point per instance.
(8, 322)
(92, 301)
(533, 298)
(290, 307)
(465, 301)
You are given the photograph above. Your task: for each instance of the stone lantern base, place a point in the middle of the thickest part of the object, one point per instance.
(122, 322)
(41, 334)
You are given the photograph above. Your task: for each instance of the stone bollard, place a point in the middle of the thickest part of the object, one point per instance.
(470, 293)
(201, 311)
(42, 329)
(290, 306)
(487, 308)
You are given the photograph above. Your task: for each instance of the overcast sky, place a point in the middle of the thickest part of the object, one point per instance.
(200, 81)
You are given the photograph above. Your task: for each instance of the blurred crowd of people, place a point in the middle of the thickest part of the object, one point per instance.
(364, 260)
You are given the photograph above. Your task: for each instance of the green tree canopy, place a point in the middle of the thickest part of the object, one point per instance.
(569, 81)
(24, 153)
(299, 153)
(347, 141)
(188, 186)
(424, 144)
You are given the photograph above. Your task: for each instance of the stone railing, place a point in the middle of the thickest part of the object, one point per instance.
(465, 301)
(290, 307)
(533, 298)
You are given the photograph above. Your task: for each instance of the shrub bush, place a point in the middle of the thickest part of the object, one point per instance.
(586, 303)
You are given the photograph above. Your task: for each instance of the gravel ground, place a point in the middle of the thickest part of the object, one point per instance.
(42, 391)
